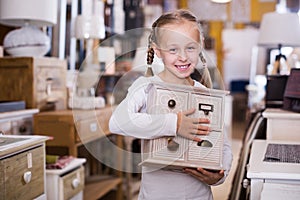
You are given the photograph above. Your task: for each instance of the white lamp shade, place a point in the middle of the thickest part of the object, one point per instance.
(89, 27)
(33, 12)
(279, 28)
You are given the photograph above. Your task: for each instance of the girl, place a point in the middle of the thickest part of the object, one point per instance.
(176, 39)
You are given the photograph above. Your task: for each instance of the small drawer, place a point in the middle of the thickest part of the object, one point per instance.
(92, 128)
(211, 107)
(166, 101)
(71, 183)
(87, 130)
(23, 175)
(55, 74)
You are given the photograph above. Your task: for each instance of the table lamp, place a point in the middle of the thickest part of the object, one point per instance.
(89, 28)
(30, 15)
(278, 30)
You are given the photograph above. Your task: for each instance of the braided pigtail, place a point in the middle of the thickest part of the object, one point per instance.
(150, 58)
(205, 75)
(150, 55)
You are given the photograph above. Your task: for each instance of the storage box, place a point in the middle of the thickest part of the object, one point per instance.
(209, 103)
(40, 82)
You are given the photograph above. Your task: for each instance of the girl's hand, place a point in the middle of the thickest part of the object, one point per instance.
(205, 176)
(188, 127)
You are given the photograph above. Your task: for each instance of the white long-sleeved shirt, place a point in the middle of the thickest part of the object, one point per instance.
(130, 119)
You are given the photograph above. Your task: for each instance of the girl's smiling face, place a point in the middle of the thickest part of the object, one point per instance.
(178, 47)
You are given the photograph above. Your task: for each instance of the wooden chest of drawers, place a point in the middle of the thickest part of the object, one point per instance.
(72, 128)
(209, 103)
(66, 183)
(35, 80)
(22, 167)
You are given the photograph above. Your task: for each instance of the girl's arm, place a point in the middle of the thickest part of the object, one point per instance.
(130, 117)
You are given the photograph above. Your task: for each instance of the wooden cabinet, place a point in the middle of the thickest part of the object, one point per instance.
(66, 183)
(37, 81)
(17, 122)
(22, 167)
(70, 129)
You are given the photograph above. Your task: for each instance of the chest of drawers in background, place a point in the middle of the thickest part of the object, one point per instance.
(66, 183)
(37, 81)
(19, 122)
(22, 167)
(282, 124)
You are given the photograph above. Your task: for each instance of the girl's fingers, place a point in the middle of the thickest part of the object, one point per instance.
(200, 121)
(200, 129)
(203, 120)
(189, 111)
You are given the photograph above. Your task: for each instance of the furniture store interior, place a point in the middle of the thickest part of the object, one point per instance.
(90, 110)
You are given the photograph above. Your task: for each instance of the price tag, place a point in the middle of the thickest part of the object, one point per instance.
(29, 160)
(93, 127)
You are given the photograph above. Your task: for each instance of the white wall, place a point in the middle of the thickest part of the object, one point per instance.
(237, 48)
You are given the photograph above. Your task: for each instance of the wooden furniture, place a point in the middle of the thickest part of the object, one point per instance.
(180, 152)
(66, 183)
(261, 172)
(72, 129)
(22, 167)
(17, 122)
(282, 124)
(41, 82)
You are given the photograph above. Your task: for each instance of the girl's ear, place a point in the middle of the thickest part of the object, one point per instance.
(156, 50)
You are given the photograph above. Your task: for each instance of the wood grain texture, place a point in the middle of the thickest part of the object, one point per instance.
(12, 168)
(25, 78)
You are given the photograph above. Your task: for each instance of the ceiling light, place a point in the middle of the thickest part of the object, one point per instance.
(221, 1)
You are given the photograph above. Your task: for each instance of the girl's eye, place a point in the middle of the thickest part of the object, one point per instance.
(191, 49)
(173, 50)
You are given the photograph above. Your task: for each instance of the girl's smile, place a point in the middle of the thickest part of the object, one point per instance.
(183, 67)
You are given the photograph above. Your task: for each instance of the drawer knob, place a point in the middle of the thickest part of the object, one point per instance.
(27, 177)
(22, 129)
(75, 183)
(171, 103)
(246, 183)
